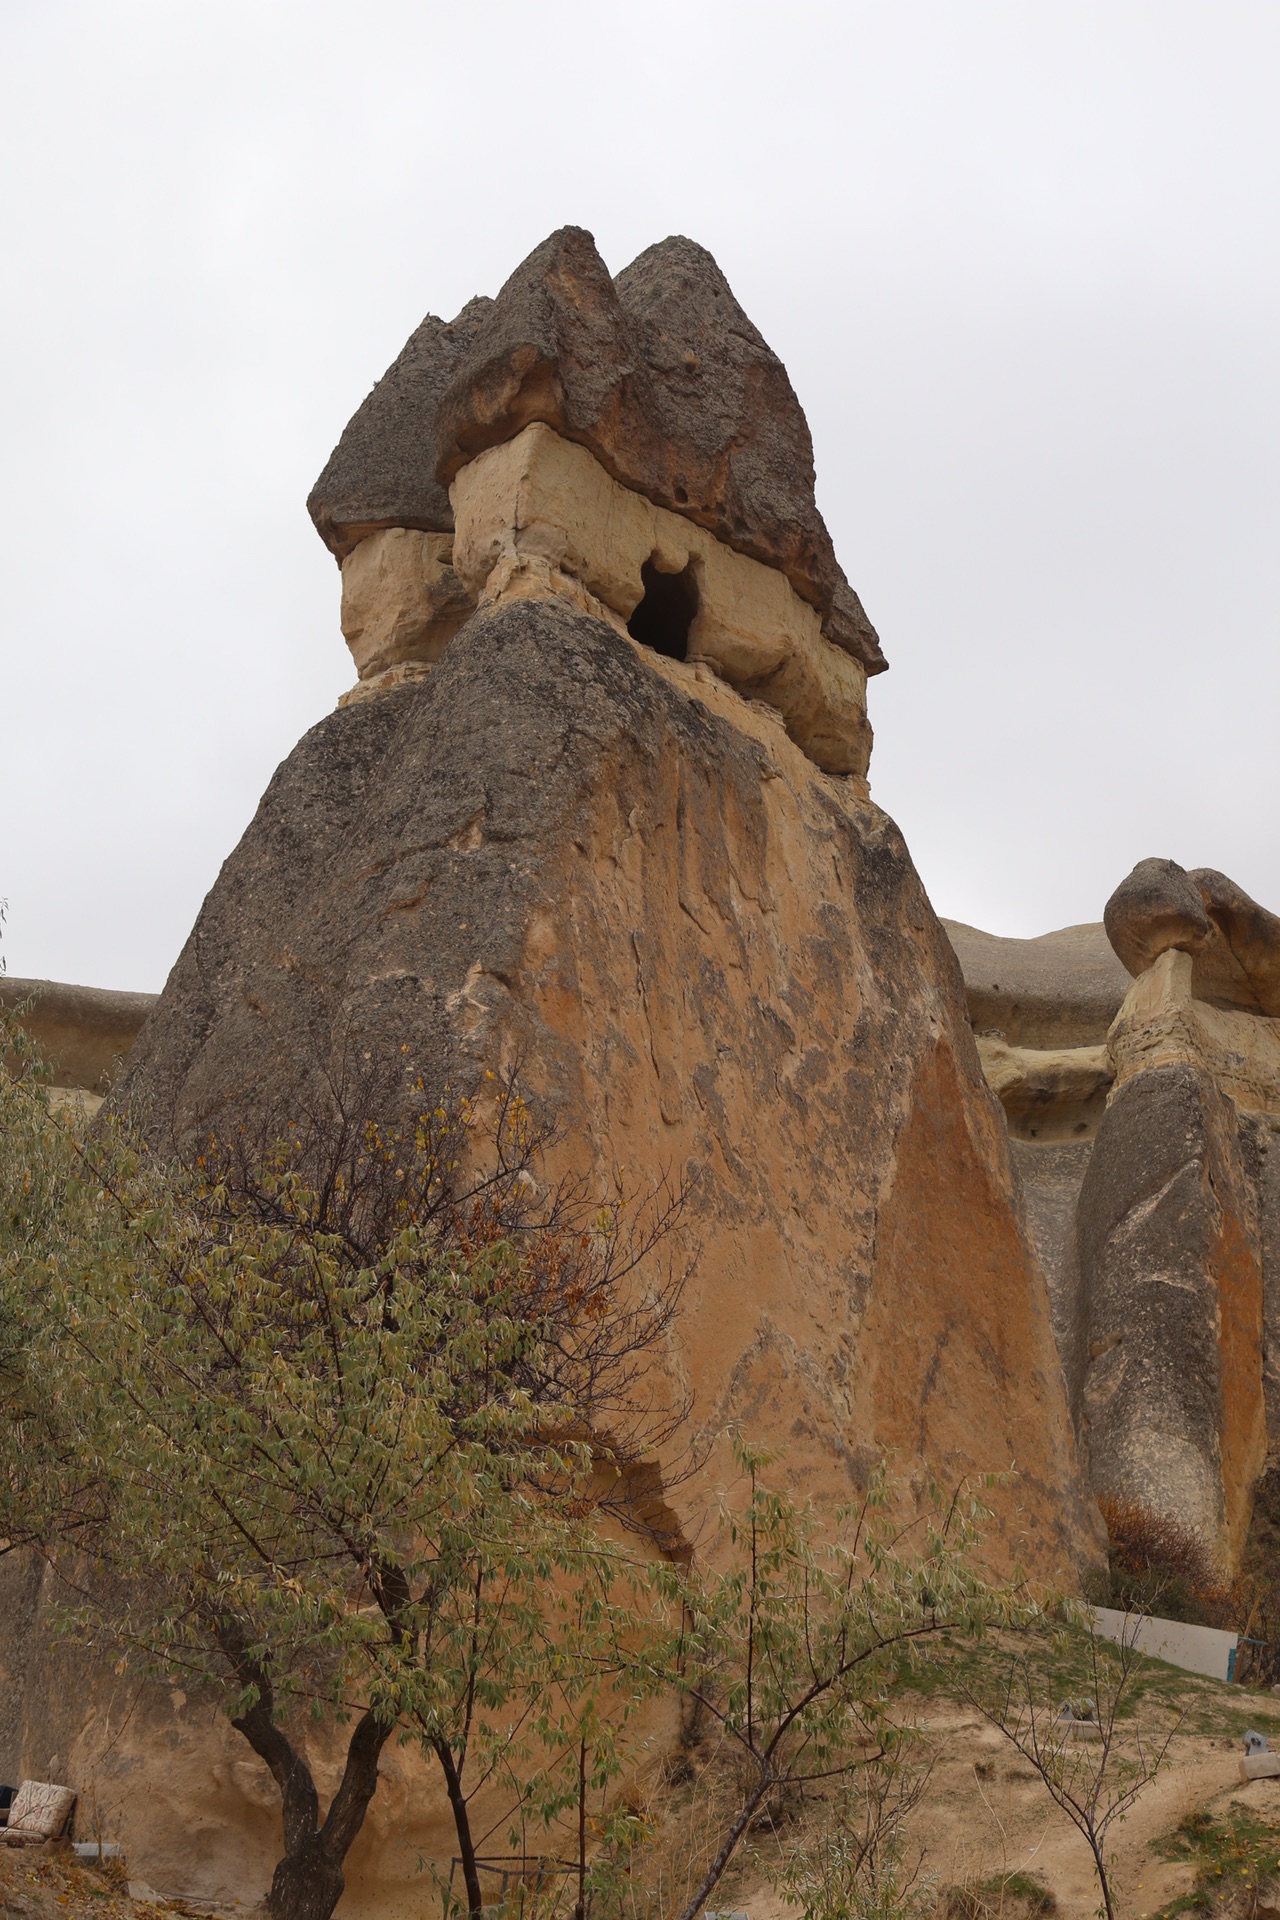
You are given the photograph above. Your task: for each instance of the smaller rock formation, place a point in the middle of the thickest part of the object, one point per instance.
(1151, 1167)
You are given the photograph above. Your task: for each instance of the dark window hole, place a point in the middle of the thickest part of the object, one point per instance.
(666, 611)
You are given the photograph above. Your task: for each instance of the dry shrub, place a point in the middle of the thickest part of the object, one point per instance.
(682, 1816)
(1159, 1567)
(1004, 1896)
(1259, 1663)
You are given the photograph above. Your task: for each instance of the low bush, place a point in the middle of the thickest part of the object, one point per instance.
(1004, 1896)
(1157, 1566)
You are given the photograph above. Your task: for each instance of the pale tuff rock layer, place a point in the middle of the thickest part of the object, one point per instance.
(402, 602)
(1048, 1093)
(659, 373)
(1162, 1021)
(541, 505)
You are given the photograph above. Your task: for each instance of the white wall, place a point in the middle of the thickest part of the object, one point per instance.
(1196, 1649)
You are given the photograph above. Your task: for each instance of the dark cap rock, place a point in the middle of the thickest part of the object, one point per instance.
(1241, 965)
(1234, 943)
(1156, 908)
(659, 373)
(382, 473)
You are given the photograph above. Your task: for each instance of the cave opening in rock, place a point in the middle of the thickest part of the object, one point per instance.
(666, 611)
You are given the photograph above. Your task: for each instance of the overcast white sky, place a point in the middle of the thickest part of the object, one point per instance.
(1020, 259)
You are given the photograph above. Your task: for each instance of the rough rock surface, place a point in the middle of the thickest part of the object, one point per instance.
(1234, 943)
(1170, 1277)
(659, 373)
(382, 473)
(711, 958)
(1260, 1148)
(1052, 1174)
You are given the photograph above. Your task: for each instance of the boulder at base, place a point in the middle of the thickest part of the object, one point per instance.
(713, 961)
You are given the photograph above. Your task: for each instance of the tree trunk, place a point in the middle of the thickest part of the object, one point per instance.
(306, 1884)
(711, 1877)
(308, 1881)
(462, 1827)
(580, 1905)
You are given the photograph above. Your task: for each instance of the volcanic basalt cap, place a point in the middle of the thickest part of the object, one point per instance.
(658, 372)
(1234, 942)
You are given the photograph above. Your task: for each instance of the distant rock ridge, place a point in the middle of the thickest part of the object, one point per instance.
(84, 1033)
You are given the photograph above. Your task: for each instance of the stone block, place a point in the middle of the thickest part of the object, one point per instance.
(1162, 1022)
(401, 599)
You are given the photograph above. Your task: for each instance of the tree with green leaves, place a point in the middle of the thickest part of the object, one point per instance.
(339, 1423)
(792, 1633)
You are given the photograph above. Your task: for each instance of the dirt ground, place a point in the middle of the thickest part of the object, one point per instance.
(987, 1814)
(984, 1816)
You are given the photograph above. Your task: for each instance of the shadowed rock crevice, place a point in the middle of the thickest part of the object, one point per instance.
(667, 612)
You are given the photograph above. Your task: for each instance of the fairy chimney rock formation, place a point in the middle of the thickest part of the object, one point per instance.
(630, 444)
(1178, 1223)
(575, 530)
(1138, 1063)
